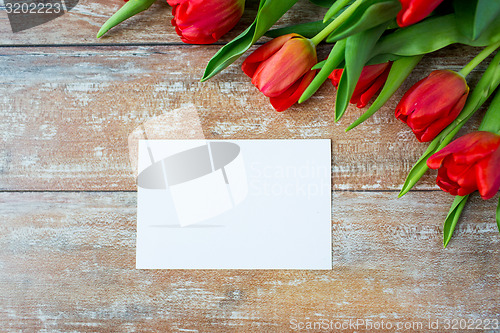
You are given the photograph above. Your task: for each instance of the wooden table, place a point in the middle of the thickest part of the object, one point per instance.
(68, 195)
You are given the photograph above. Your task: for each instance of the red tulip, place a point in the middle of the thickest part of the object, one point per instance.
(414, 11)
(470, 163)
(433, 103)
(205, 21)
(371, 80)
(281, 69)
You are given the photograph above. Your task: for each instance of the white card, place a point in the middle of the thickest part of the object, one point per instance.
(235, 204)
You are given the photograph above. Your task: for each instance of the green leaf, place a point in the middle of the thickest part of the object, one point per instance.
(418, 170)
(269, 12)
(465, 11)
(487, 12)
(399, 72)
(334, 59)
(324, 3)
(476, 15)
(484, 88)
(128, 10)
(319, 65)
(491, 119)
(498, 215)
(424, 37)
(453, 215)
(367, 15)
(430, 35)
(381, 58)
(308, 30)
(357, 52)
(336, 9)
(490, 35)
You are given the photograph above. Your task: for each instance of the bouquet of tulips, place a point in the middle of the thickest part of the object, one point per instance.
(375, 44)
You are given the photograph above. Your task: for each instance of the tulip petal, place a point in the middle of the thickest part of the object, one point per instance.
(485, 88)
(370, 81)
(460, 147)
(396, 74)
(445, 183)
(457, 179)
(476, 146)
(436, 96)
(434, 128)
(266, 51)
(463, 144)
(268, 13)
(358, 51)
(467, 149)
(433, 103)
(488, 175)
(292, 95)
(469, 163)
(414, 11)
(436, 160)
(249, 68)
(368, 76)
(204, 22)
(278, 73)
(367, 95)
(466, 178)
(406, 105)
(335, 76)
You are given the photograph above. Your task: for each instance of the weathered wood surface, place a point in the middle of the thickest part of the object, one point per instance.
(67, 231)
(67, 111)
(81, 24)
(67, 264)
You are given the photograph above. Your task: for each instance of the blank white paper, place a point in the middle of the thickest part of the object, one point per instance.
(234, 204)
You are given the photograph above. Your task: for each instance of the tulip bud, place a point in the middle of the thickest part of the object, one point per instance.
(205, 21)
(414, 11)
(372, 78)
(281, 69)
(433, 103)
(470, 163)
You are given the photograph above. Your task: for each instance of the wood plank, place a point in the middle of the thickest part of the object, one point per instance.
(66, 114)
(80, 25)
(67, 264)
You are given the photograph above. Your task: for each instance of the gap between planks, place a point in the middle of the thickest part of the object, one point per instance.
(111, 45)
(133, 191)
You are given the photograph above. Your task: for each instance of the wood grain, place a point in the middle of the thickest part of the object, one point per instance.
(68, 201)
(67, 113)
(80, 25)
(67, 264)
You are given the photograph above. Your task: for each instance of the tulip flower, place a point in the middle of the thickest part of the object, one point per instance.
(281, 69)
(414, 11)
(470, 163)
(433, 103)
(371, 80)
(205, 21)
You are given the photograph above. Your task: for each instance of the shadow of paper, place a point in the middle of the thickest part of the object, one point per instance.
(179, 124)
(202, 179)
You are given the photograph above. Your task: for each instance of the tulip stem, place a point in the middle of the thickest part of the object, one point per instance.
(479, 58)
(335, 23)
(335, 9)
